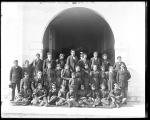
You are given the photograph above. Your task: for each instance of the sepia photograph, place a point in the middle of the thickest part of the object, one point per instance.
(73, 59)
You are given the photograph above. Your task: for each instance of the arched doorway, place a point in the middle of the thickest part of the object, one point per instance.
(79, 28)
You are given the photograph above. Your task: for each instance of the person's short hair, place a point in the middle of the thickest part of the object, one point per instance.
(72, 50)
(73, 73)
(118, 57)
(61, 54)
(95, 52)
(15, 61)
(48, 53)
(26, 73)
(38, 54)
(26, 61)
(104, 55)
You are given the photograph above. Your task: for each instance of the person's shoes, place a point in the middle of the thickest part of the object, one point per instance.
(124, 101)
(117, 106)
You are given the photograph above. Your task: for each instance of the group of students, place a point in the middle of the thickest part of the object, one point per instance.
(71, 82)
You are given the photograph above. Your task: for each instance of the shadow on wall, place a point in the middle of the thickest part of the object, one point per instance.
(135, 86)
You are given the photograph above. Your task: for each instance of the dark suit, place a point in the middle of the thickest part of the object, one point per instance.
(37, 65)
(72, 62)
(15, 77)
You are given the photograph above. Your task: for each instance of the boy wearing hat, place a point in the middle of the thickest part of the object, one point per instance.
(72, 60)
(118, 64)
(15, 78)
(95, 60)
(105, 62)
(116, 96)
(37, 64)
(61, 60)
(123, 75)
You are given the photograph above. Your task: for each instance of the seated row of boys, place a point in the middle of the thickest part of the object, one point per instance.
(75, 87)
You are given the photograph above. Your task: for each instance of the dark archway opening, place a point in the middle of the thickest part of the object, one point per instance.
(80, 29)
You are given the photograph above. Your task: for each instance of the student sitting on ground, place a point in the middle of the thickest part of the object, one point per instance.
(61, 96)
(116, 95)
(52, 95)
(93, 96)
(82, 97)
(104, 95)
(39, 96)
(72, 98)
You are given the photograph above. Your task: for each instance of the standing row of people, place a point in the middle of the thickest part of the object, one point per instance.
(80, 81)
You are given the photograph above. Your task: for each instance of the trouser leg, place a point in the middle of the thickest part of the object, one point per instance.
(13, 91)
(18, 86)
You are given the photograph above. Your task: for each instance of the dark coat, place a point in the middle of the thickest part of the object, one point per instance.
(117, 65)
(95, 78)
(106, 64)
(29, 70)
(61, 62)
(95, 62)
(15, 74)
(37, 65)
(122, 78)
(45, 64)
(72, 62)
(82, 63)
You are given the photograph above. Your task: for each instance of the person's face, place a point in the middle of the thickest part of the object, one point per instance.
(104, 57)
(53, 87)
(71, 91)
(110, 69)
(82, 87)
(86, 66)
(94, 67)
(119, 59)
(26, 76)
(77, 68)
(39, 86)
(85, 56)
(49, 66)
(95, 54)
(61, 56)
(39, 74)
(103, 87)
(73, 53)
(73, 75)
(66, 67)
(27, 63)
(16, 63)
(103, 69)
(37, 57)
(93, 88)
(49, 56)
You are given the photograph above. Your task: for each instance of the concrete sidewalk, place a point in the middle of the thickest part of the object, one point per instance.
(131, 110)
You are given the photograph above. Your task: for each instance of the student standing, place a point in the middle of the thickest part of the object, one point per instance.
(15, 78)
